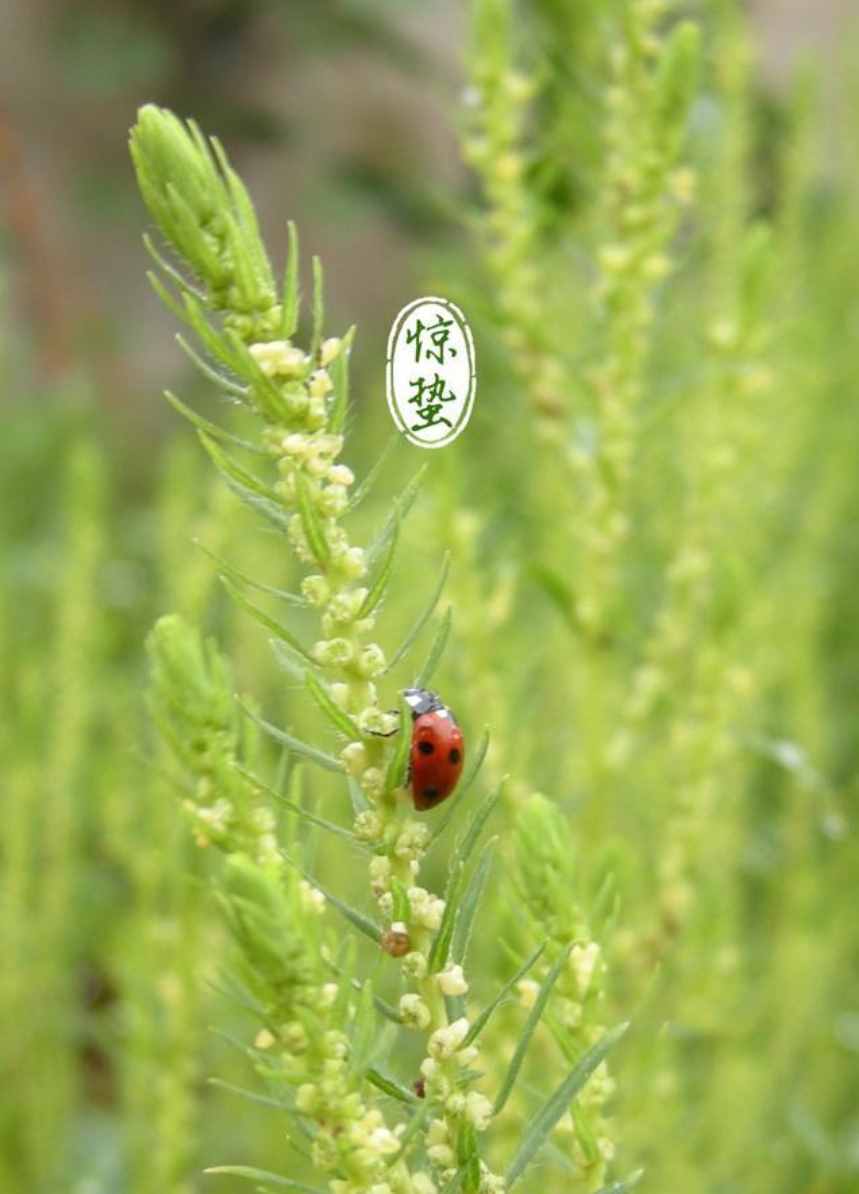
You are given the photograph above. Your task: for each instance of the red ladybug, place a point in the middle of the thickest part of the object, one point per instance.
(437, 750)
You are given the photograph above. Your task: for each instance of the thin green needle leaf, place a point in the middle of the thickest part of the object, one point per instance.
(391, 1088)
(485, 1016)
(205, 425)
(556, 1105)
(318, 307)
(251, 1095)
(534, 1017)
(262, 1175)
(372, 476)
(441, 942)
(338, 718)
(436, 650)
(277, 628)
(223, 383)
(468, 905)
(172, 273)
(424, 616)
(310, 521)
(231, 571)
(623, 1187)
(377, 589)
(339, 373)
(395, 776)
(401, 507)
(295, 744)
(361, 922)
(481, 815)
(289, 322)
(298, 809)
(250, 489)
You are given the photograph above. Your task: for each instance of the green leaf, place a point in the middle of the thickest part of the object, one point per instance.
(425, 615)
(395, 775)
(360, 803)
(485, 1016)
(226, 384)
(391, 1088)
(234, 574)
(436, 651)
(295, 744)
(440, 948)
(623, 1187)
(377, 589)
(310, 521)
(481, 815)
(401, 507)
(299, 809)
(250, 489)
(361, 491)
(252, 1096)
(468, 1156)
(337, 716)
(204, 425)
(291, 304)
(468, 906)
(277, 628)
(361, 922)
(339, 373)
(318, 308)
(534, 1017)
(542, 1124)
(262, 1175)
(178, 279)
(363, 1032)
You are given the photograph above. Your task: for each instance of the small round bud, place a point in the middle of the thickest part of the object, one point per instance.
(395, 941)
(354, 757)
(415, 1012)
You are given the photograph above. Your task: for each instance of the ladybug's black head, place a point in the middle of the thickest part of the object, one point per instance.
(421, 701)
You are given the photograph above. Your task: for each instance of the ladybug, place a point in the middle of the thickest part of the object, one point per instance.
(437, 749)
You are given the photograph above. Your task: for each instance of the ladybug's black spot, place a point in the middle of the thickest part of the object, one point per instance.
(454, 756)
(426, 748)
(429, 793)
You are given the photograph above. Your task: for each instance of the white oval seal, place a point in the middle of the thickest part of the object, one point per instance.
(431, 375)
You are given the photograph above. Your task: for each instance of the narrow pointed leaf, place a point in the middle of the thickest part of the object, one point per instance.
(425, 615)
(298, 809)
(320, 757)
(337, 716)
(395, 776)
(263, 1175)
(250, 489)
(234, 574)
(391, 1088)
(534, 1017)
(542, 1124)
(223, 383)
(401, 507)
(277, 628)
(289, 322)
(485, 1016)
(361, 922)
(205, 425)
(313, 531)
(339, 372)
(318, 307)
(427, 672)
(361, 491)
(377, 589)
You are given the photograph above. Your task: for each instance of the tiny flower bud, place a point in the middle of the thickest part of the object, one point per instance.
(354, 758)
(316, 589)
(415, 965)
(452, 981)
(415, 1012)
(478, 1110)
(396, 940)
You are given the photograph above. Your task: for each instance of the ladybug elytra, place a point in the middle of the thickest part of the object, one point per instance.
(437, 749)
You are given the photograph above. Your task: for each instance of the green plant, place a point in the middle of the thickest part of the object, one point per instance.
(320, 1022)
